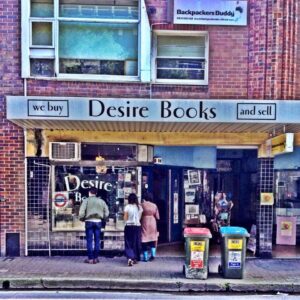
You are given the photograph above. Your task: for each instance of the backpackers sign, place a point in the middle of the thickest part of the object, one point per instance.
(208, 12)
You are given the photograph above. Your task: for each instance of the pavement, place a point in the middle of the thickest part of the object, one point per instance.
(164, 274)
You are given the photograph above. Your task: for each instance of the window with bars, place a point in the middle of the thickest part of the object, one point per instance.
(181, 58)
(100, 39)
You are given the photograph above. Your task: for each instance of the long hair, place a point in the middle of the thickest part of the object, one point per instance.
(132, 199)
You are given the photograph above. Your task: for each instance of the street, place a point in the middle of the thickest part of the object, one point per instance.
(88, 295)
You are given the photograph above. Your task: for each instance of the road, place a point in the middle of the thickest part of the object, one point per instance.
(88, 295)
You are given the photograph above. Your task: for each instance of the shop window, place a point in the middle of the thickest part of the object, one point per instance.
(287, 197)
(101, 39)
(71, 186)
(109, 152)
(181, 58)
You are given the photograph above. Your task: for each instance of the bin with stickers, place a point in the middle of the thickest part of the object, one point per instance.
(196, 252)
(233, 251)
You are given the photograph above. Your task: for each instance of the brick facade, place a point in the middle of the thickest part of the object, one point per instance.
(258, 61)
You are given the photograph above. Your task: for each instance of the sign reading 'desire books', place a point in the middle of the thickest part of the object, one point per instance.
(208, 12)
(154, 110)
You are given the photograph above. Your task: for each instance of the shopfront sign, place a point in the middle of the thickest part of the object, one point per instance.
(152, 110)
(283, 143)
(208, 12)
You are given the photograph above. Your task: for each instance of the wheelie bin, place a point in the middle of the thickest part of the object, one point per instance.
(233, 251)
(196, 252)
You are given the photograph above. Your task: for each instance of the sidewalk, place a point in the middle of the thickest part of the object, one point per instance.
(163, 274)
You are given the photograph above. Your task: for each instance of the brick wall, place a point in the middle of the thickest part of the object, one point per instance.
(257, 61)
(12, 212)
(297, 96)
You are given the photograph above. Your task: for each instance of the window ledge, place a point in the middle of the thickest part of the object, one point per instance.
(82, 77)
(180, 82)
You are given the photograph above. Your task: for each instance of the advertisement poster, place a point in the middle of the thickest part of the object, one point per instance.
(194, 177)
(209, 12)
(266, 199)
(286, 230)
(189, 195)
(175, 208)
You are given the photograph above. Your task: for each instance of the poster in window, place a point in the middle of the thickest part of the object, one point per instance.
(175, 208)
(189, 195)
(192, 209)
(194, 177)
(127, 177)
(266, 199)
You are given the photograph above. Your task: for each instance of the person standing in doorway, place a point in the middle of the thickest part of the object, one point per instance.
(93, 211)
(132, 232)
(149, 227)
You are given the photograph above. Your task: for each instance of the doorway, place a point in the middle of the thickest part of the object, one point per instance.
(164, 183)
(236, 175)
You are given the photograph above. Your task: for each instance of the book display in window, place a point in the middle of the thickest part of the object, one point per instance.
(197, 199)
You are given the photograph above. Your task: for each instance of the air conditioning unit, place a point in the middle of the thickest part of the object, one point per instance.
(145, 153)
(64, 151)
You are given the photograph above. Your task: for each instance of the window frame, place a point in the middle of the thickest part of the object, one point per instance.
(39, 20)
(183, 33)
(27, 47)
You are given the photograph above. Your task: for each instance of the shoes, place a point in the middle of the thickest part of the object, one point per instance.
(145, 256)
(151, 258)
(96, 261)
(130, 262)
(135, 261)
(89, 261)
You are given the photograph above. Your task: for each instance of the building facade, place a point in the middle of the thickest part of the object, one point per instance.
(92, 92)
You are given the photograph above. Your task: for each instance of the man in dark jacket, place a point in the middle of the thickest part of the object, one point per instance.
(93, 211)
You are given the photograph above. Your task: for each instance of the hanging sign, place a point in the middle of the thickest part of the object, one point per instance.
(280, 144)
(207, 12)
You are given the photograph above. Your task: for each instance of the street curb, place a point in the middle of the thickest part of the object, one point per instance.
(144, 285)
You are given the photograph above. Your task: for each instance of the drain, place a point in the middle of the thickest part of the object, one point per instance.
(6, 284)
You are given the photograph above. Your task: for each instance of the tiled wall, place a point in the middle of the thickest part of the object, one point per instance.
(265, 213)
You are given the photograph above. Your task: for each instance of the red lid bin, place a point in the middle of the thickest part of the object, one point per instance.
(196, 232)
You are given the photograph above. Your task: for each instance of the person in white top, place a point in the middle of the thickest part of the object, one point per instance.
(132, 232)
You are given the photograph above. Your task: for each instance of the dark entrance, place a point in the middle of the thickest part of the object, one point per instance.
(164, 183)
(236, 175)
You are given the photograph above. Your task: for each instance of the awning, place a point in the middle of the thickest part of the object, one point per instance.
(154, 115)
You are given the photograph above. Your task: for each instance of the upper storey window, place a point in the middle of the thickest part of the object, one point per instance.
(180, 57)
(85, 39)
